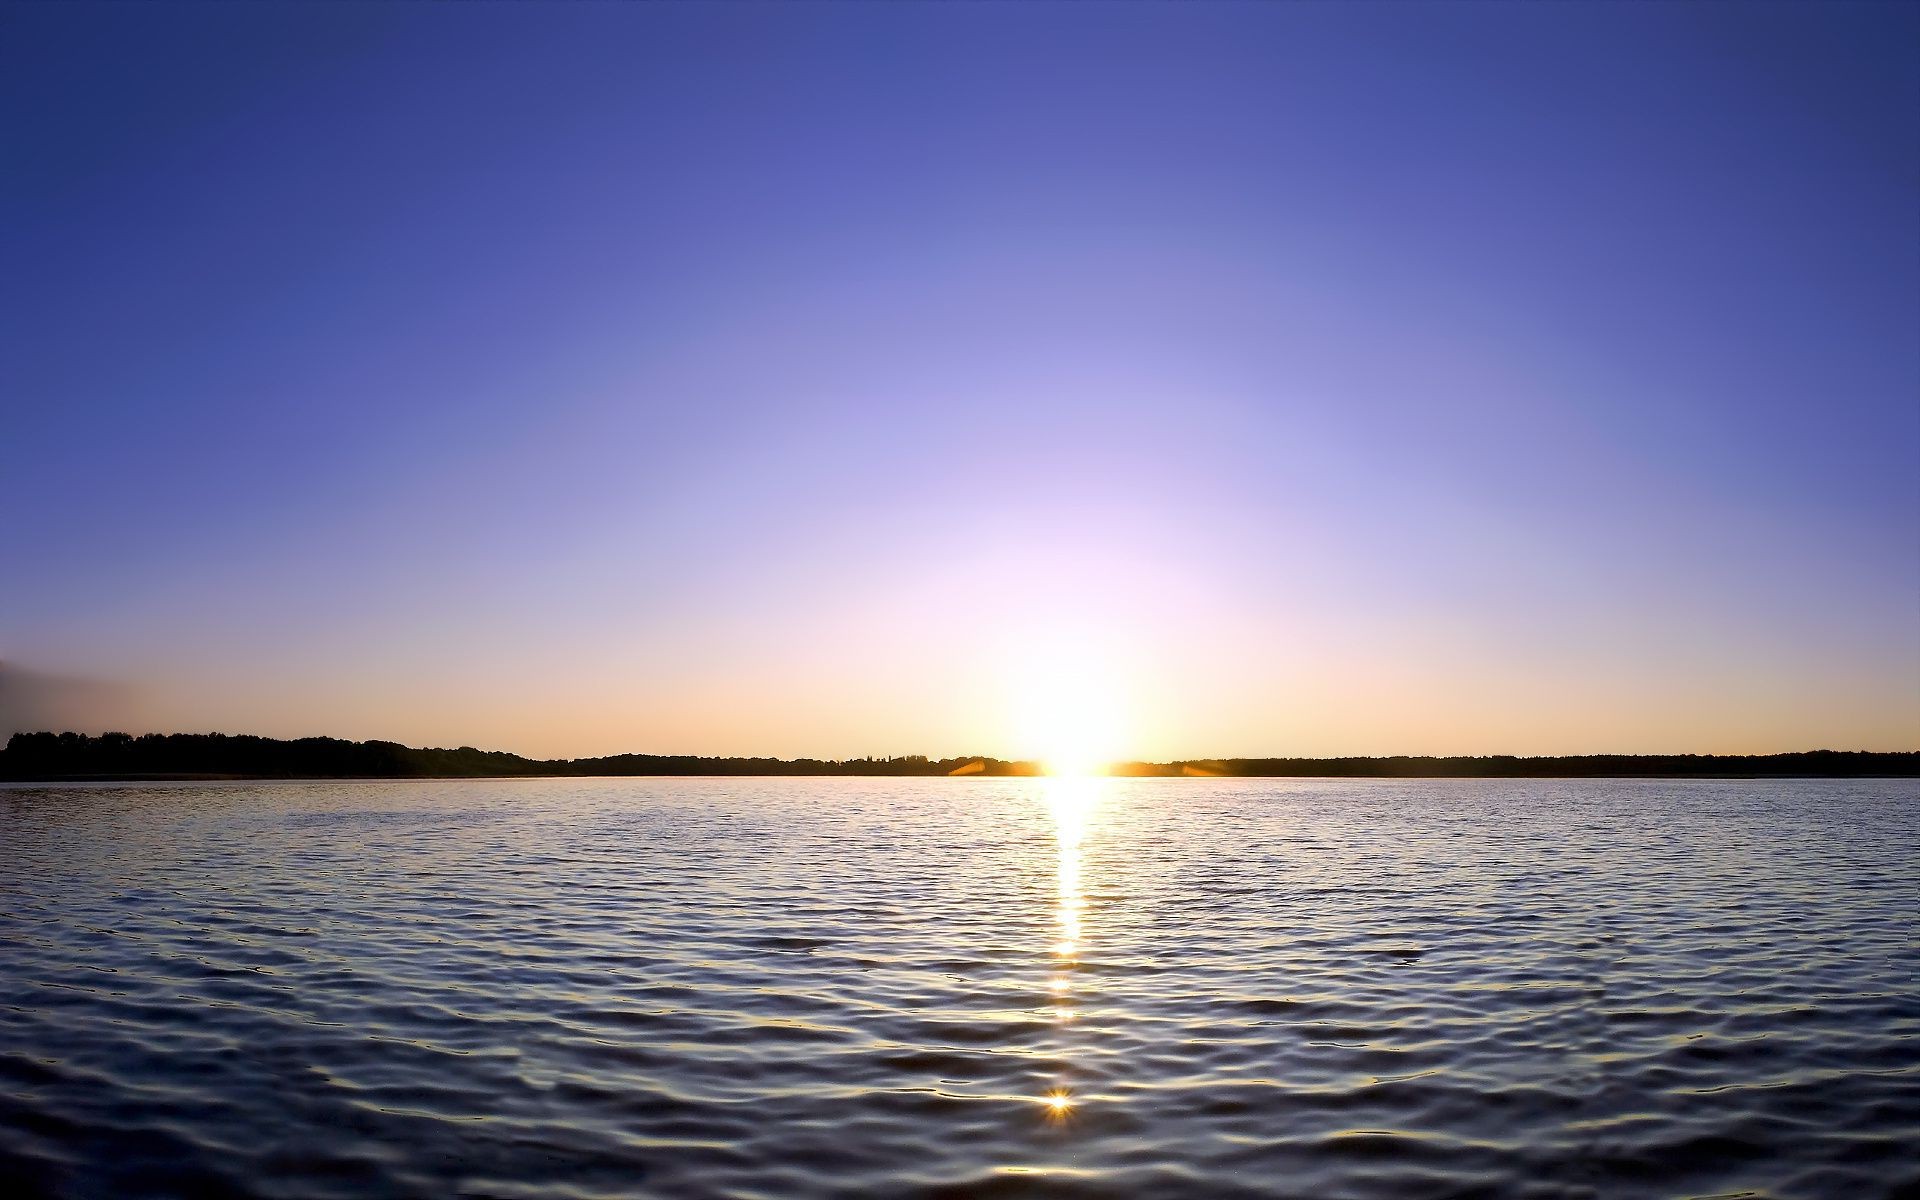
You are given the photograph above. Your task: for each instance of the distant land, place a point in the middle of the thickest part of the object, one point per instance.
(111, 756)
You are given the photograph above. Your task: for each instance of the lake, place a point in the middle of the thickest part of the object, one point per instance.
(930, 988)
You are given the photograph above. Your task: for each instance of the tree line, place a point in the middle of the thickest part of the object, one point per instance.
(56, 756)
(49, 756)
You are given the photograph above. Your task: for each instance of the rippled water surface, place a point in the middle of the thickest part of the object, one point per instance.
(792, 988)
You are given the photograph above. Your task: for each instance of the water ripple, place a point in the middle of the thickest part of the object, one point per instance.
(965, 988)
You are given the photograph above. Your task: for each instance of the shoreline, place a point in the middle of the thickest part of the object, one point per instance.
(213, 757)
(212, 777)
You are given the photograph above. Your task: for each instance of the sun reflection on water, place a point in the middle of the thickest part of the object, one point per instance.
(1072, 801)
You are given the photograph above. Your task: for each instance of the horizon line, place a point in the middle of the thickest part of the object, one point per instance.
(41, 754)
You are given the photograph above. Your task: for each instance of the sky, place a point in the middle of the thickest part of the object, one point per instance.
(1171, 380)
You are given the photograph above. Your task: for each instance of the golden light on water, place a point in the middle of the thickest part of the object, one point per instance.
(1071, 802)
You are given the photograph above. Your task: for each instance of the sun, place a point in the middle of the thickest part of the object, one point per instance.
(1069, 712)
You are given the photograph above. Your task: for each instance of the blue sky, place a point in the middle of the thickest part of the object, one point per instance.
(1320, 379)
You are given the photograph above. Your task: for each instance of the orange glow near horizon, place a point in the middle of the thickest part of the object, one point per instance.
(1069, 708)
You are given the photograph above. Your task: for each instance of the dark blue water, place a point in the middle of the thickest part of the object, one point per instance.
(793, 988)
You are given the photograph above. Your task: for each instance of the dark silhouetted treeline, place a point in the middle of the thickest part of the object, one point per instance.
(1812, 763)
(219, 755)
(52, 756)
(72, 755)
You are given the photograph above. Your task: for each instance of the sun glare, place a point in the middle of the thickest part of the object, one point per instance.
(1069, 712)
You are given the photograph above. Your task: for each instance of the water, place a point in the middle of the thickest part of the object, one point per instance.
(793, 988)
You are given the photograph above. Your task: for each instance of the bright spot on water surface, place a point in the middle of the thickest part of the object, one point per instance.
(1072, 802)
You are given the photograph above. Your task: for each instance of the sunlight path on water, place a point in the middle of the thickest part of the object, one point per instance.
(1072, 802)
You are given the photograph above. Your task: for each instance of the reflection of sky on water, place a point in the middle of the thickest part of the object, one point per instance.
(1367, 989)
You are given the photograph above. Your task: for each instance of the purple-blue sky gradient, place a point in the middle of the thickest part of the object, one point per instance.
(736, 379)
